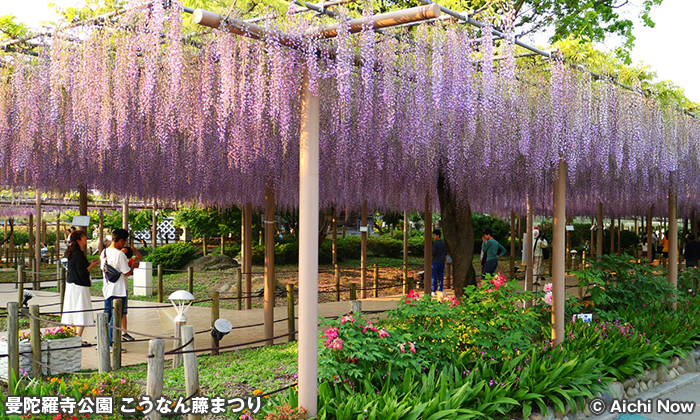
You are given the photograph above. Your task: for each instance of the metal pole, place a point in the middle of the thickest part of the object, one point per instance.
(308, 249)
(559, 255)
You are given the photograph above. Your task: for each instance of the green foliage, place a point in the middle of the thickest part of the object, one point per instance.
(209, 221)
(619, 282)
(231, 249)
(491, 323)
(354, 349)
(172, 256)
(500, 229)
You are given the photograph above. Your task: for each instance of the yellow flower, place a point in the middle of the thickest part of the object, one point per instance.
(257, 392)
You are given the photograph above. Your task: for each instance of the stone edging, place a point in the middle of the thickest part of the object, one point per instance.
(651, 384)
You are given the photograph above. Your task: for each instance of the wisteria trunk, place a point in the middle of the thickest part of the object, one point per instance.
(458, 231)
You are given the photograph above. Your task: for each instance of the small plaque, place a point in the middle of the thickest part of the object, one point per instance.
(569, 228)
(363, 229)
(584, 317)
(81, 221)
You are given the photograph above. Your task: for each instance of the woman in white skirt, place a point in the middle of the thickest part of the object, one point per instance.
(78, 284)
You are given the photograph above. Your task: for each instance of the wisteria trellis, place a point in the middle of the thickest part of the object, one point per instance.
(133, 110)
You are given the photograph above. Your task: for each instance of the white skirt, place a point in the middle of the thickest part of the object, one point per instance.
(77, 299)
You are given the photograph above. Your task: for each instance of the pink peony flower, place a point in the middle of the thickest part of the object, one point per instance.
(346, 318)
(331, 334)
(337, 344)
(548, 287)
(548, 298)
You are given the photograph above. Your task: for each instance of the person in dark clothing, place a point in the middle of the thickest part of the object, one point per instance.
(438, 267)
(692, 252)
(78, 285)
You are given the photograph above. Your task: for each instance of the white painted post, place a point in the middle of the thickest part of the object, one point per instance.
(308, 250)
(559, 255)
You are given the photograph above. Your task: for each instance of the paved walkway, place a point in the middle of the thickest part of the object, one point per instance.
(148, 318)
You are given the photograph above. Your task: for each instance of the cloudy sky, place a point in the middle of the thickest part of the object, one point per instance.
(670, 48)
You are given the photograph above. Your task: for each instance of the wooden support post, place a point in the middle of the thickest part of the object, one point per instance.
(35, 337)
(558, 255)
(512, 245)
(214, 317)
(672, 242)
(247, 253)
(290, 313)
(160, 283)
(269, 308)
(612, 235)
(405, 243)
(4, 245)
(103, 343)
(117, 335)
(599, 232)
(177, 358)
(529, 245)
(191, 372)
(619, 231)
(13, 374)
(13, 251)
(204, 245)
(239, 288)
(356, 307)
(62, 282)
(353, 291)
(156, 368)
(591, 247)
(693, 224)
(20, 282)
(405, 278)
(190, 279)
(154, 227)
(334, 236)
(336, 274)
(101, 232)
(650, 235)
(376, 280)
(428, 247)
(363, 252)
(569, 261)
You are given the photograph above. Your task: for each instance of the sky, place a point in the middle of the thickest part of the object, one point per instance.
(669, 49)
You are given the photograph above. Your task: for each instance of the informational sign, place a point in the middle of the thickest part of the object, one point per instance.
(363, 228)
(81, 221)
(569, 228)
(584, 317)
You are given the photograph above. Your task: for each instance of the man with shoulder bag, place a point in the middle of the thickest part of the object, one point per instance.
(115, 268)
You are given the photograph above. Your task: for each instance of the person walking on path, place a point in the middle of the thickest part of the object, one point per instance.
(538, 255)
(664, 247)
(438, 267)
(114, 256)
(492, 251)
(77, 298)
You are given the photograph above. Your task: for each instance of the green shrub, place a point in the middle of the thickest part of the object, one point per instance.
(285, 253)
(231, 249)
(172, 256)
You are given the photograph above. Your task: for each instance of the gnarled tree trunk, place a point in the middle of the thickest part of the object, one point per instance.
(458, 231)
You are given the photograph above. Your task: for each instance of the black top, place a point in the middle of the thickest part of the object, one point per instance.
(692, 250)
(439, 251)
(77, 270)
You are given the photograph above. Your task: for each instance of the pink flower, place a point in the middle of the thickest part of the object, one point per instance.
(337, 344)
(548, 298)
(383, 333)
(331, 334)
(401, 348)
(369, 326)
(548, 287)
(346, 318)
(413, 347)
